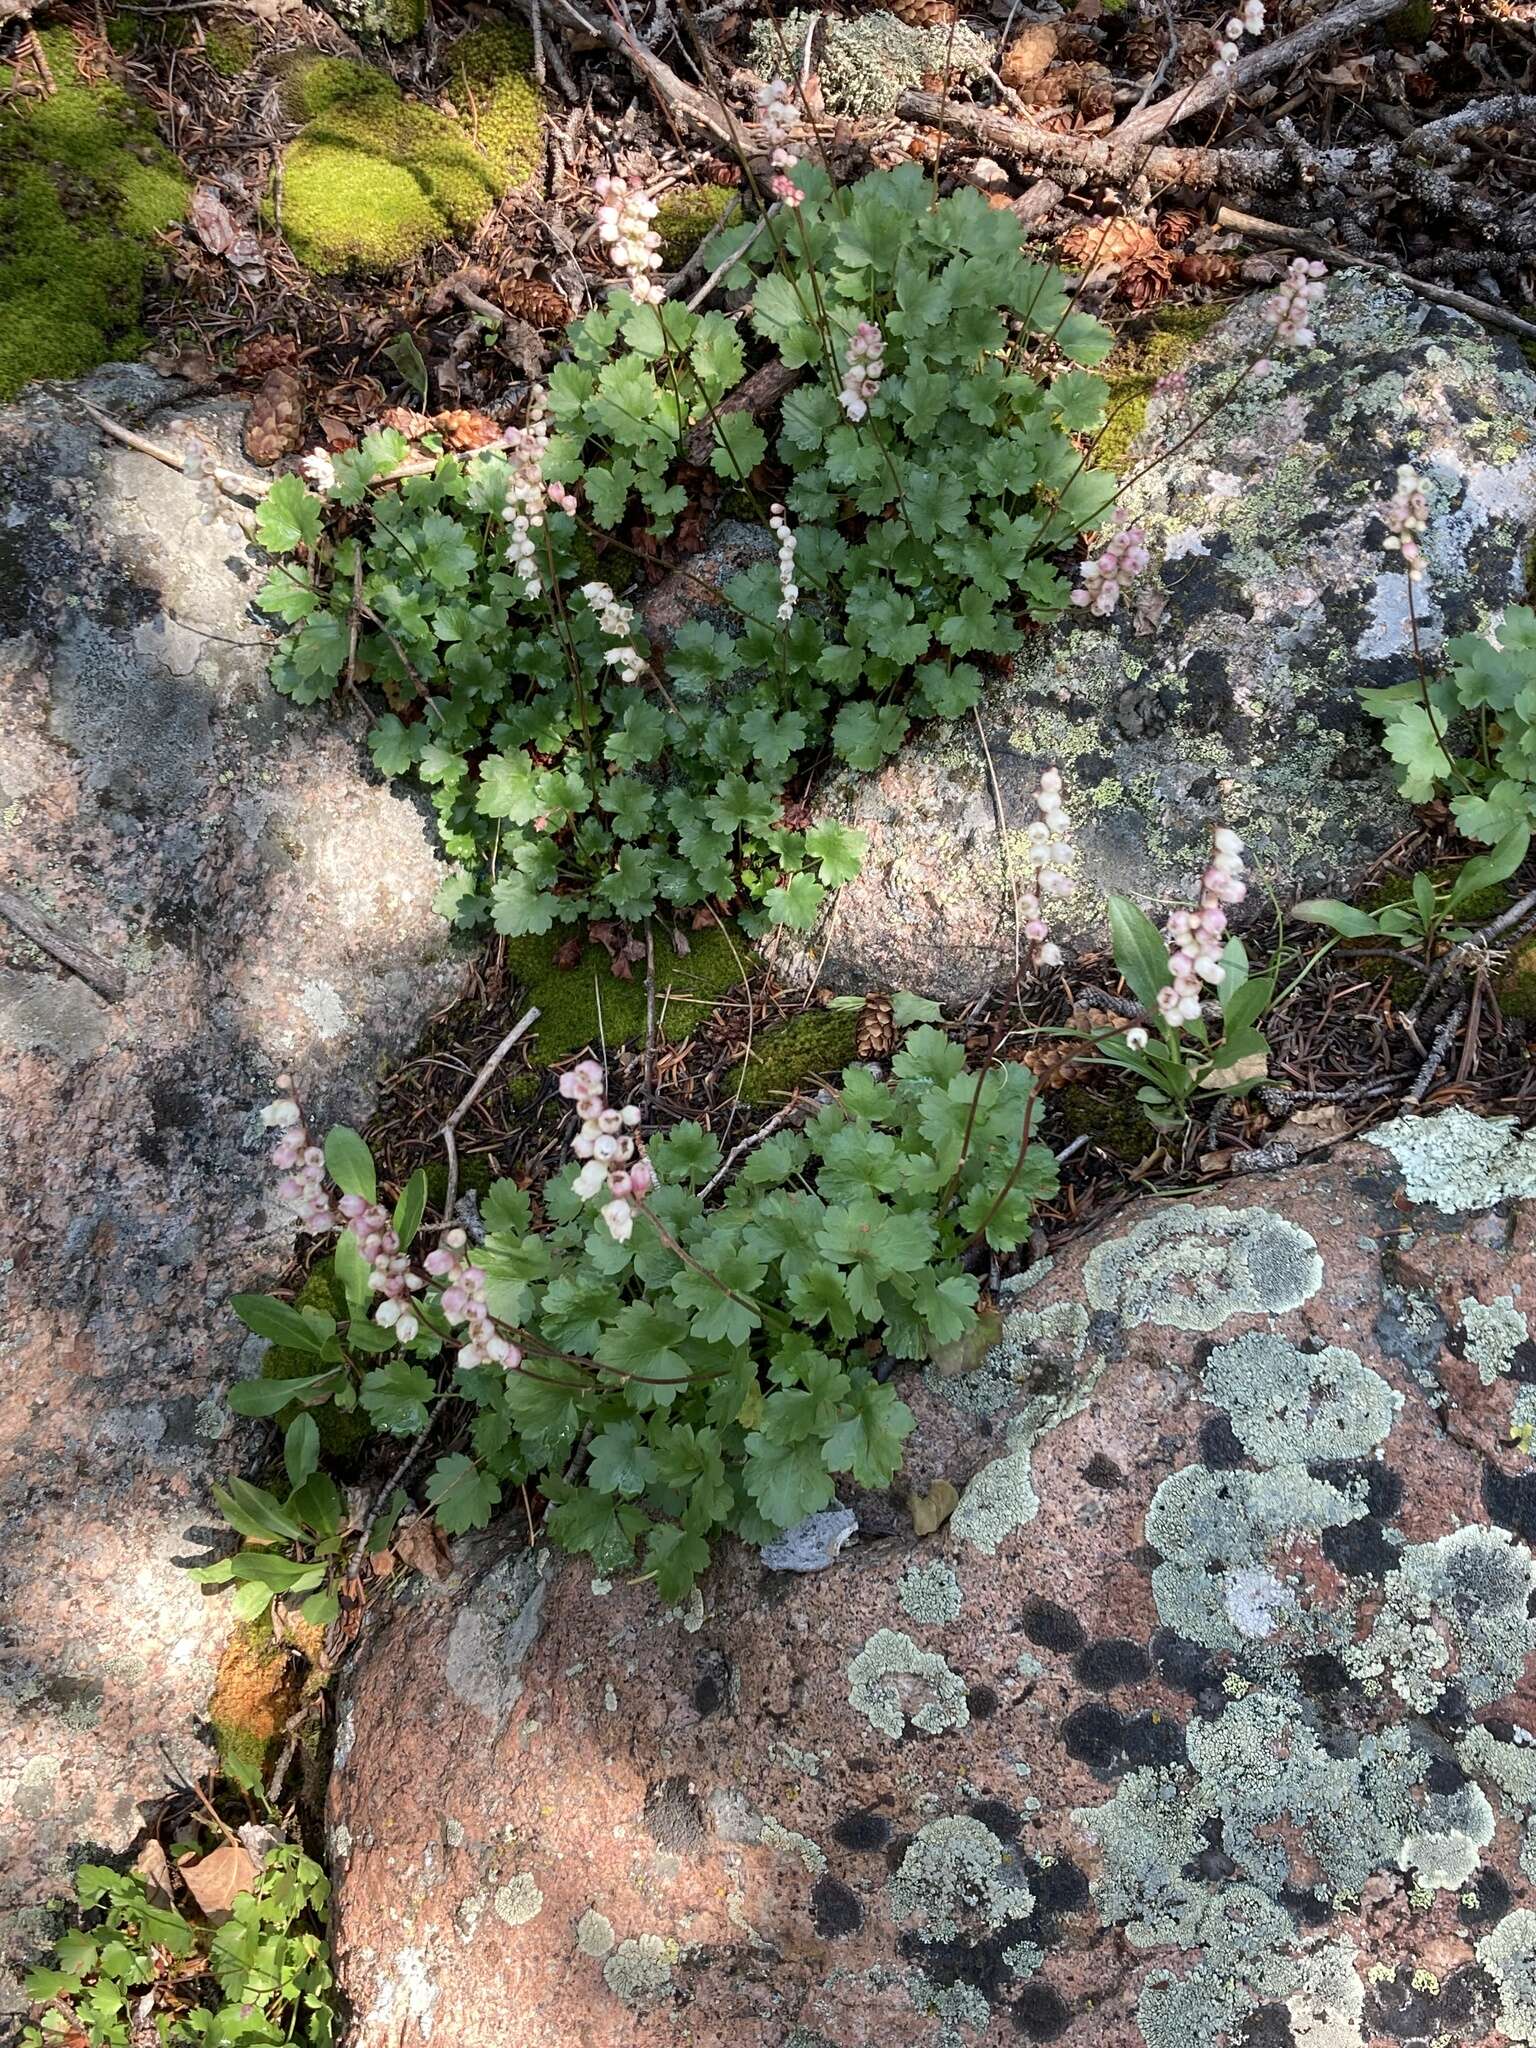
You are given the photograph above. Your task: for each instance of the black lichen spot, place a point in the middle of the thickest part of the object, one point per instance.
(673, 1815)
(1363, 1549)
(1322, 1673)
(1381, 1485)
(1095, 1735)
(1104, 1474)
(1041, 2013)
(1053, 1627)
(1305, 1905)
(835, 1910)
(1463, 2008)
(1491, 1896)
(862, 1830)
(999, 1818)
(1213, 1863)
(1522, 1366)
(1510, 1499)
(712, 1686)
(982, 1702)
(1268, 2027)
(1183, 1664)
(1059, 1887)
(981, 1962)
(1219, 1447)
(1444, 1775)
(1155, 1739)
(1114, 1661)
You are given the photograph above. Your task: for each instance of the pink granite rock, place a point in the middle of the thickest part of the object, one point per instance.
(269, 905)
(1207, 1718)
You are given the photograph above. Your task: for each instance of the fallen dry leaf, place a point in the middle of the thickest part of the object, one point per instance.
(154, 1866)
(217, 1879)
(967, 1352)
(423, 1546)
(1253, 1066)
(211, 218)
(931, 1510)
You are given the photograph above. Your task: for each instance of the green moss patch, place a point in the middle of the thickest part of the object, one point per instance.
(490, 82)
(229, 46)
(816, 1045)
(85, 186)
(589, 1005)
(1110, 1117)
(342, 1435)
(372, 180)
(686, 216)
(1517, 986)
(1144, 353)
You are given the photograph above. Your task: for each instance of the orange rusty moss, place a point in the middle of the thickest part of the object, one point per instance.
(256, 1691)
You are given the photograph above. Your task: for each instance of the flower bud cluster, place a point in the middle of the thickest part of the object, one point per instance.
(1248, 21)
(617, 620)
(1289, 308)
(1103, 581)
(1050, 842)
(462, 1300)
(320, 470)
(1406, 515)
(303, 1164)
(527, 490)
(865, 366)
(1197, 937)
(390, 1272)
(789, 589)
(606, 1149)
(778, 116)
(624, 217)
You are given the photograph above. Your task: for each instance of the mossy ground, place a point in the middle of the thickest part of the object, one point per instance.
(230, 47)
(1406, 980)
(85, 186)
(589, 1005)
(256, 1690)
(372, 180)
(685, 216)
(1517, 985)
(816, 1045)
(1148, 350)
(1109, 1116)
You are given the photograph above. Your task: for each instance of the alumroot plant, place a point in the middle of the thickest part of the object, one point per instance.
(710, 1342)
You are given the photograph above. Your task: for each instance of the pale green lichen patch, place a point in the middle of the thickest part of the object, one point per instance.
(518, 1901)
(1457, 1606)
(1460, 1162)
(865, 62)
(930, 1593)
(800, 1847)
(1441, 1854)
(639, 1970)
(594, 1934)
(1294, 1407)
(998, 1501)
(955, 1872)
(891, 1681)
(1508, 1954)
(1194, 1269)
(1492, 1332)
(1511, 1766)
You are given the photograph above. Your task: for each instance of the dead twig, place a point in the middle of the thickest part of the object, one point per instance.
(739, 1151)
(1311, 245)
(529, 1018)
(108, 981)
(1439, 1046)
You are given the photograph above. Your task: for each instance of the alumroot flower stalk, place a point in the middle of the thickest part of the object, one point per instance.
(624, 218)
(1050, 841)
(1406, 516)
(1289, 308)
(1103, 581)
(1196, 938)
(865, 366)
(617, 620)
(527, 490)
(607, 1150)
(789, 589)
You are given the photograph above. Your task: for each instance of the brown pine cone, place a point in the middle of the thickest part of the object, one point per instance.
(401, 420)
(264, 352)
(1175, 227)
(924, 13)
(1031, 50)
(274, 426)
(716, 170)
(1076, 44)
(1144, 49)
(464, 430)
(1088, 87)
(1106, 244)
(874, 1037)
(1211, 267)
(1197, 53)
(1056, 1062)
(530, 299)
